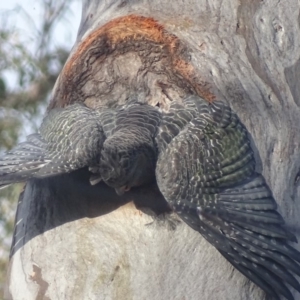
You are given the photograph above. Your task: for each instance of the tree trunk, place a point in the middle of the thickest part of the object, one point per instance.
(74, 241)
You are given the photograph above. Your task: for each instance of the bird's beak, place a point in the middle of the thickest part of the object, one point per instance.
(95, 178)
(121, 190)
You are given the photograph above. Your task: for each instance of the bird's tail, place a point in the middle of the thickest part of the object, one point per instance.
(22, 162)
(248, 231)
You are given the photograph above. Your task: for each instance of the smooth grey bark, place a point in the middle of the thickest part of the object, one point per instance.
(76, 242)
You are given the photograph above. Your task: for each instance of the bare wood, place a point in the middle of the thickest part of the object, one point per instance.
(73, 241)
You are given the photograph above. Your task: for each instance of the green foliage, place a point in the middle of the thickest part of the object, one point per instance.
(33, 64)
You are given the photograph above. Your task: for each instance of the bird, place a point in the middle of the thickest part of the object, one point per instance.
(200, 156)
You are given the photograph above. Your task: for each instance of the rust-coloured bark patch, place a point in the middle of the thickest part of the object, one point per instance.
(160, 51)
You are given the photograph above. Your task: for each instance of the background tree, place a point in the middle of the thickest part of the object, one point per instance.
(30, 62)
(73, 241)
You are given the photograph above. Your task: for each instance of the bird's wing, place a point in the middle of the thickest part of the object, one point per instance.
(69, 139)
(74, 137)
(205, 170)
(24, 160)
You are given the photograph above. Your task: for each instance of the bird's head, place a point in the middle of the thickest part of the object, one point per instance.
(126, 166)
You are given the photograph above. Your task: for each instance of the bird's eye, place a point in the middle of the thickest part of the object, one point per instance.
(126, 188)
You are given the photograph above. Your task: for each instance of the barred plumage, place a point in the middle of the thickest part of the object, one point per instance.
(210, 181)
(202, 159)
(68, 139)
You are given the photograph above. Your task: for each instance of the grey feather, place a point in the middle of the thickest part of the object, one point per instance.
(68, 139)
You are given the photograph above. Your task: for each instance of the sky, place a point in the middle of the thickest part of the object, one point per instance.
(31, 7)
(29, 15)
